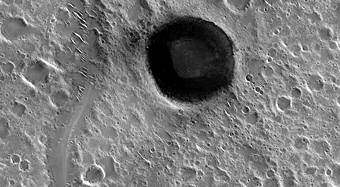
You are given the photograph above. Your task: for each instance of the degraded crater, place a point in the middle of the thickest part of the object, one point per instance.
(14, 27)
(37, 72)
(8, 67)
(296, 92)
(241, 5)
(315, 82)
(60, 97)
(4, 128)
(190, 59)
(18, 109)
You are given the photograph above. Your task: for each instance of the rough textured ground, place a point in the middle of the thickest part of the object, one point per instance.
(79, 108)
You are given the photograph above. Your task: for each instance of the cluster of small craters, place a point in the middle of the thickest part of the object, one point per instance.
(280, 132)
(35, 91)
(298, 72)
(23, 164)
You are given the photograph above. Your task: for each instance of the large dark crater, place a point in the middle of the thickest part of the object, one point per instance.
(191, 59)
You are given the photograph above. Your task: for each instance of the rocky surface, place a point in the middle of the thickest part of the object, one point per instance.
(79, 106)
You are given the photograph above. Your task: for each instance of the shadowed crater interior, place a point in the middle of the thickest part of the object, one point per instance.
(190, 59)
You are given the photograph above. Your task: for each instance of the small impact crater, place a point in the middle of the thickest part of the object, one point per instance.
(94, 174)
(270, 173)
(190, 59)
(15, 158)
(284, 102)
(24, 165)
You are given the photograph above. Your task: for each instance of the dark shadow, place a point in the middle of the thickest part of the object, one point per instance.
(190, 59)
